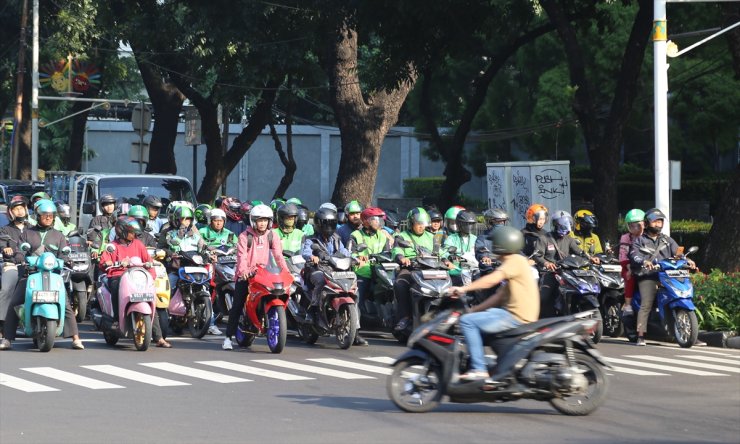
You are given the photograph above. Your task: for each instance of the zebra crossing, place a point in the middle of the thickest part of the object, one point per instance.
(166, 374)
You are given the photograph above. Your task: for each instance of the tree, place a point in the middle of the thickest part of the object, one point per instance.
(286, 156)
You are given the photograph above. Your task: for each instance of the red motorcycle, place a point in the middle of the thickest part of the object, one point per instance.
(264, 309)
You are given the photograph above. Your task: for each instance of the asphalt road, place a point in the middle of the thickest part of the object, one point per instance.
(195, 392)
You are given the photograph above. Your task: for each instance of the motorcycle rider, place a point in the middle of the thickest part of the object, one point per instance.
(555, 246)
(42, 237)
(354, 221)
(643, 265)
(13, 265)
(290, 237)
(391, 222)
(234, 222)
(62, 222)
(35, 197)
(436, 226)
(302, 221)
(107, 203)
(635, 220)
(416, 234)
(153, 205)
(463, 240)
(534, 231)
(202, 211)
(451, 219)
(183, 229)
(512, 305)
(217, 237)
(253, 250)
(586, 223)
(495, 218)
(141, 215)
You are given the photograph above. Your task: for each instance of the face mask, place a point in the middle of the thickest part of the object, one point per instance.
(654, 230)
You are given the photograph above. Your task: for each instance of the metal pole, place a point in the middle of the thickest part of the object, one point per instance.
(14, 170)
(141, 138)
(660, 79)
(35, 94)
(195, 167)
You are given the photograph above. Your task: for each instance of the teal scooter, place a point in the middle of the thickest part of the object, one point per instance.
(42, 314)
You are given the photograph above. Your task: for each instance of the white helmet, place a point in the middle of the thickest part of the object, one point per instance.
(261, 211)
(217, 212)
(329, 206)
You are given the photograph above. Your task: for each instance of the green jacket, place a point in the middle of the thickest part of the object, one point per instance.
(426, 240)
(376, 243)
(308, 230)
(217, 239)
(65, 229)
(292, 241)
(463, 244)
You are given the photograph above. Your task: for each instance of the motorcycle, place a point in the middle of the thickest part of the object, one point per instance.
(79, 273)
(134, 314)
(611, 298)
(299, 301)
(337, 309)
(548, 360)
(42, 313)
(264, 309)
(674, 313)
(222, 282)
(378, 310)
(191, 304)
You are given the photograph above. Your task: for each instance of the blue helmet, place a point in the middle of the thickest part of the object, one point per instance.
(44, 206)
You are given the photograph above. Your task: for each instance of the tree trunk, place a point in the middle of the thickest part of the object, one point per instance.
(286, 159)
(721, 250)
(24, 133)
(362, 124)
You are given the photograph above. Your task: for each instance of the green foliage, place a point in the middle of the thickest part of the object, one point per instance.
(717, 298)
(422, 187)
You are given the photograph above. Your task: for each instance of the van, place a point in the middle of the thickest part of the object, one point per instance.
(26, 188)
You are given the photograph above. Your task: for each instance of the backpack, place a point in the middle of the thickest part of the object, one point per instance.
(250, 236)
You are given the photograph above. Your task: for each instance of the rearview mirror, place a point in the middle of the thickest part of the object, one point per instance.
(401, 242)
(452, 249)
(359, 247)
(110, 248)
(66, 250)
(88, 208)
(25, 246)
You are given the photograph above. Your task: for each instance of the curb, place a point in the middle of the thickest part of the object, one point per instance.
(722, 339)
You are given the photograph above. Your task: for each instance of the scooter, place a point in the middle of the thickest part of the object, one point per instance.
(378, 310)
(611, 298)
(264, 309)
(161, 287)
(674, 311)
(222, 282)
(80, 279)
(548, 360)
(133, 315)
(191, 304)
(299, 301)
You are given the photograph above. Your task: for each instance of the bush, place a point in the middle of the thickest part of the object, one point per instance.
(717, 297)
(422, 187)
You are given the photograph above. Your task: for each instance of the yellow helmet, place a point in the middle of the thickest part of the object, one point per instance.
(585, 219)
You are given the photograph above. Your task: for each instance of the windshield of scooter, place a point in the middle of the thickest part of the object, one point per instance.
(272, 266)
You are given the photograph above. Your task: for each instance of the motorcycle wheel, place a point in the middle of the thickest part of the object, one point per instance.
(581, 404)
(346, 325)
(613, 318)
(277, 329)
(141, 325)
(47, 331)
(414, 388)
(685, 327)
(243, 337)
(599, 332)
(110, 338)
(308, 333)
(200, 321)
(81, 297)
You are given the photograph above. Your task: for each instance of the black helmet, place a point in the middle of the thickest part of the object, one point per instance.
(434, 214)
(341, 216)
(180, 213)
(326, 221)
(106, 199)
(302, 218)
(152, 201)
(465, 222)
(285, 211)
(496, 216)
(654, 214)
(391, 219)
(126, 224)
(507, 240)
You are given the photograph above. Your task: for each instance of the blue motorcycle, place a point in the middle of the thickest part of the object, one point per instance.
(674, 311)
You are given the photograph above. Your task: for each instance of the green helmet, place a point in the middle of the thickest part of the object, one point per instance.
(353, 207)
(256, 202)
(418, 215)
(634, 215)
(40, 195)
(294, 201)
(451, 218)
(202, 212)
(138, 212)
(507, 240)
(276, 203)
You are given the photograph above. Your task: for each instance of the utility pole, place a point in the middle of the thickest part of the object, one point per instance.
(19, 93)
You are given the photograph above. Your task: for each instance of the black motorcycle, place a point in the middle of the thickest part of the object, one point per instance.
(548, 360)
(611, 298)
(79, 267)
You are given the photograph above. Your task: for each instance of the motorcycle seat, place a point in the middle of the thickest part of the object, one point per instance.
(529, 328)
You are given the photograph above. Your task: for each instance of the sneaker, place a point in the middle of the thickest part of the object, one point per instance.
(359, 340)
(699, 343)
(5, 344)
(402, 324)
(77, 345)
(214, 330)
(627, 309)
(474, 375)
(227, 344)
(640, 342)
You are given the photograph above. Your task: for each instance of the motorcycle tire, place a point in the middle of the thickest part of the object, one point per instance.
(277, 329)
(612, 318)
(583, 404)
(685, 327)
(308, 334)
(346, 325)
(599, 332)
(243, 337)
(81, 297)
(141, 327)
(200, 321)
(47, 331)
(110, 338)
(414, 388)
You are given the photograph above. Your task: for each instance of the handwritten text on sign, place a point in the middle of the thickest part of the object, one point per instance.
(551, 184)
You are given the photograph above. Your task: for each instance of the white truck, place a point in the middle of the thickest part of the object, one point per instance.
(82, 190)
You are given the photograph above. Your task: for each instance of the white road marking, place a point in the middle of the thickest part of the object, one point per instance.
(662, 367)
(689, 363)
(381, 359)
(353, 365)
(710, 359)
(254, 371)
(194, 372)
(22, 384)
(134, 375)
(634, 371)
(72, 378)
(312, 369)
(726, 354)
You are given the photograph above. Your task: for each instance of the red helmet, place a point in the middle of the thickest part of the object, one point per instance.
(370, 212)
(245, 208)
(232, 208)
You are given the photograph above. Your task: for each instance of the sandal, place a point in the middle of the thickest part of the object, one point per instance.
(164, 344)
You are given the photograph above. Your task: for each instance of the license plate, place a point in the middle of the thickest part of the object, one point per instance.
(677, 273)
(230, 258)
(581, 273)
(343, 275)
(78, 256)
(191, 270)
(610, 268)
(433, 275)
(45, 296)
(141, 297)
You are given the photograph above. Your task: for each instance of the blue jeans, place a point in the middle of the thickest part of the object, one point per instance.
(473, 325)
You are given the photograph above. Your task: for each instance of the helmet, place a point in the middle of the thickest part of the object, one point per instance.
(232, 208)
(368, 213)
(125, 225)
(302, 218)
(16, 201)
(417, 215)
(217, 213)
(326, 221)
(562, 223)
(507, 240)
(44, 206)
(328, 205)
(450, 218)
(201, 213)
(219, 200)
(180, 213)
(284, 212)
(152, 201)
(391, 219)
(654, 214)
(294, 200)
(275, 204)
(137, 212)
(256, 202)
(534, 212)
(586, 220)
(434, 214)
(106, 199)
(39, 195)
(341, 217)
(260, 212)
(353, 207)
(634, 215)
(465, 221)
(245, 208)
(495, 216)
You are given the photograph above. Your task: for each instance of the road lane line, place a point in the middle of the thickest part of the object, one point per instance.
(381, 359)
(663, 367)
(689, 363)
(23, 385)
(353, 365)
(634, 371)
(710, 359)
(134, 375)
(254, 370)
(701, 350)
(194, 372)
(72, 378)
(312, 369)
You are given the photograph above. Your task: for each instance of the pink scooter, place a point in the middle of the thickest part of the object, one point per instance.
(136, 305)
